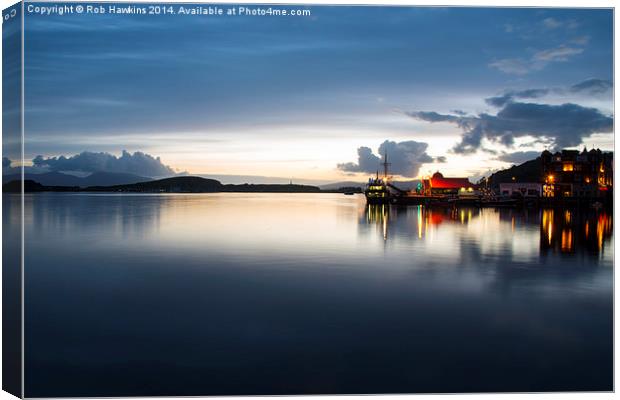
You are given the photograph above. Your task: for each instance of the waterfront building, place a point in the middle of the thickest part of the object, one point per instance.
(440, 185)
(524, 189)
(570, 173)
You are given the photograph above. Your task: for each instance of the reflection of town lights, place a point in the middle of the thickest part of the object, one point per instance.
(420, 222)
(547, 220)
(567, 240)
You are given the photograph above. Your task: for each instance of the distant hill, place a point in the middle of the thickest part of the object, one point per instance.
(46, 179)
(338, 185)
(259, 179)
(32, 186)
(180, 184)
(112, 178)
(196, 184)
(275, 188)
(95, 179)
(529, 171)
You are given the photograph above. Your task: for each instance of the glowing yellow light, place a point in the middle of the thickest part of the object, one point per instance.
(547, 222)
(567, 216)
(567, 240)
(567, 167)
(550, 178)
(420, 222)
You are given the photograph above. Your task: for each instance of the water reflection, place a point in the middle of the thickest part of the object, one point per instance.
(310, 293)
(570, 231)
(561, 231)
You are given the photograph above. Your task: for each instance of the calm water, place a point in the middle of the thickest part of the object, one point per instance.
(310, 293)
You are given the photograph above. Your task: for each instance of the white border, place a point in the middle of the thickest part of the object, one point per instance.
(483, 3)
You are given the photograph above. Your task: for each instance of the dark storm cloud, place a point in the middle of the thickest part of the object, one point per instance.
(518, 157)
(137, 163)
(500, 101)
(592, 86)
(564, 125)
(405, 158)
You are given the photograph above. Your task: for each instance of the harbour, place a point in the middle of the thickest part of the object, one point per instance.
(565, 179)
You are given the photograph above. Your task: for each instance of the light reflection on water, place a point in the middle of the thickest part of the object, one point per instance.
(311, 293)
(565, 231)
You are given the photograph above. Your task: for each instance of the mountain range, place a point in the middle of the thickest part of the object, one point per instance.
(95, 179)
(179, 184)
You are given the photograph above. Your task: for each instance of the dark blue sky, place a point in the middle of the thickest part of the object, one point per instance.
(295, 96)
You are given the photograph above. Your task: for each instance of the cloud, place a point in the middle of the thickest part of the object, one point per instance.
(562, 125)
(561, 53)
(551, 23)
(592, 86)
(537, 62)
(405, 158)
(137, 163)
(6, 163)
(515, 66)
(500, 101)
(518, 157)
(581, 40)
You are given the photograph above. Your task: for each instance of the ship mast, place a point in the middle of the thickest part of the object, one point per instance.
(386, 164)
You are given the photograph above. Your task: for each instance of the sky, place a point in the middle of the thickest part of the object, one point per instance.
(320, 97)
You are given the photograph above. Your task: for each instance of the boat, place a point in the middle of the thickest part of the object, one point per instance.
(377, 191)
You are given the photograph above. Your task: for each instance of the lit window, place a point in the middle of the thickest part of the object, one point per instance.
(567, 167)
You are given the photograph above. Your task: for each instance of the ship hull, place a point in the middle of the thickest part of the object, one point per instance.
(377, 197)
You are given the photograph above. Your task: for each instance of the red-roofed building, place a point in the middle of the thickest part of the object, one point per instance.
(438, 184)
